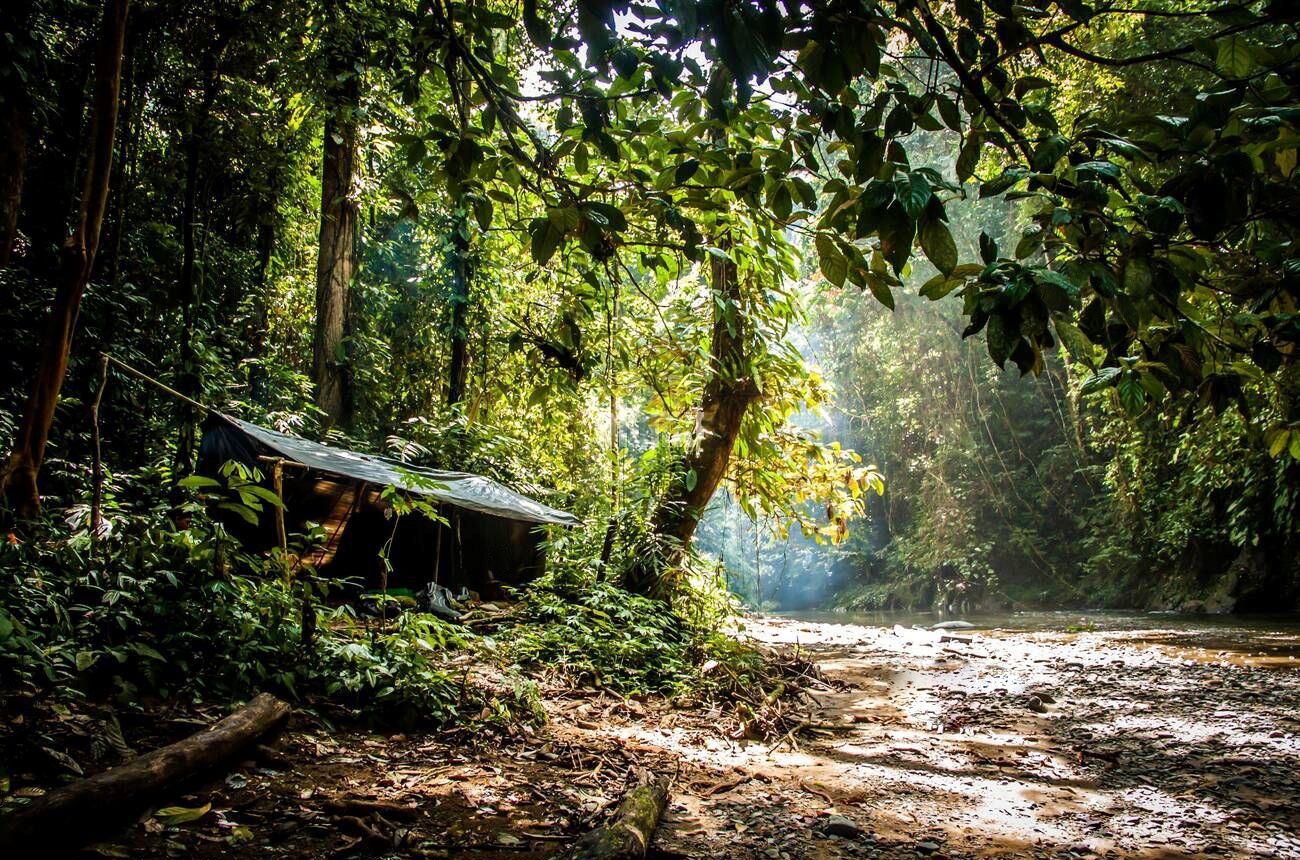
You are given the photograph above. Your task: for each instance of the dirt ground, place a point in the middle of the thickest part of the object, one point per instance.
(969, 744)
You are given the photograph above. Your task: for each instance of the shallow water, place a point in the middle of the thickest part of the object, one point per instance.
(1257, 640)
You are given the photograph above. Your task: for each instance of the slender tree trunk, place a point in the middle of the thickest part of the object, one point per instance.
(336, 264)
(119, 191)
(261, 313)
(77, 259)
(14, 116)
(458, 368)
(728, 394)
(190, 285)
(55, 165)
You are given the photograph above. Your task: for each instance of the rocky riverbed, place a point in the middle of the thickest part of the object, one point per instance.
(1125, 743)
(1143, 743)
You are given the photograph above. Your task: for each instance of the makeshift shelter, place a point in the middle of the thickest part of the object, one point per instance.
(490, 538)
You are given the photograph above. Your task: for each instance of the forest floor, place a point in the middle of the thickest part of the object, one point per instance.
(1092, 744)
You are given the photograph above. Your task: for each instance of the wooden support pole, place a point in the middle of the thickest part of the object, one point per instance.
(277, 487)
(307, 611)
(97, 478)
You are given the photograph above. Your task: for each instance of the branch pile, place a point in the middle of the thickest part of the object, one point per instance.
(775, 702)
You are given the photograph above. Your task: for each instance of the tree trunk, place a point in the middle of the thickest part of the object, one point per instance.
(120, 189)
(77, 258)
(336, 264)
(56, 164)
(65, 819)
(15, 114)
(728, 394)
(257, 377)
(13, 167)
(459, 265)
(190, 285)
(627, 835)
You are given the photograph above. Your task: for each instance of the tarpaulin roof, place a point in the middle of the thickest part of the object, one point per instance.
(473, 492)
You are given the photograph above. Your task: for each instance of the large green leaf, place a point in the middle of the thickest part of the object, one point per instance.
(880, 290)
(1001, 339)
(938, 245)
(1104, 378)
(547, 237)
(170, 816)
(1132, 396)
(914, 193)
(1074, 341)
(1235, 57)
(896, 233)
(1049, 152)
(969, 157)
(834, 265)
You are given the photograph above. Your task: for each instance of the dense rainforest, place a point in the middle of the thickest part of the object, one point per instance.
(468, 376)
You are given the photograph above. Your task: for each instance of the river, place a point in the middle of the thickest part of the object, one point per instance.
(1271, 641)
(1056, 734)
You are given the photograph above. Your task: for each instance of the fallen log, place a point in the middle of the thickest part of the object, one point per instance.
(627, 835)
(89, 809)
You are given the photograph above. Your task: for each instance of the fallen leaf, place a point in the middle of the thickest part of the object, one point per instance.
(174, 815)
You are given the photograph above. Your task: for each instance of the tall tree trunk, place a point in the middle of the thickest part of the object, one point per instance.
(119, 191)
(458, 369)
(261, 312)
(336, 264)
(13, 164)
(190, 285)
(59, 159)
(77, 258)
(15, 113)
(728, 394)
(15, 117)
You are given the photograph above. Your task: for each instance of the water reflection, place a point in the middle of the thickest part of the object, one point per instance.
(1248, 640)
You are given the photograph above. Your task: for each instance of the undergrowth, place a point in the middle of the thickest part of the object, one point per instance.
(157, 609)
(602, 635)
(153, 611)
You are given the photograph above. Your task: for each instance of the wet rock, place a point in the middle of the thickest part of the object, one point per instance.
(838, 825)
(927, 847)
(1036, 705)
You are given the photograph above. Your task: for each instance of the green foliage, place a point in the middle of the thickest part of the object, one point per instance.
(396, 673)
(604, 636)
(137, 614)
(585, 171)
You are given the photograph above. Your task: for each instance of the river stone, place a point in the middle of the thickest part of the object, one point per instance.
(952, 625)
(838, 825)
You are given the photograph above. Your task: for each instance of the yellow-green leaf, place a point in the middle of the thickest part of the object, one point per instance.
(170, 816)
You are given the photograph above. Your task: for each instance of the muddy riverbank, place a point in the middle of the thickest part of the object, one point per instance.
(1134, 742)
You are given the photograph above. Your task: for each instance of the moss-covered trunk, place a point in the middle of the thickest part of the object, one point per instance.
(336, 263)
